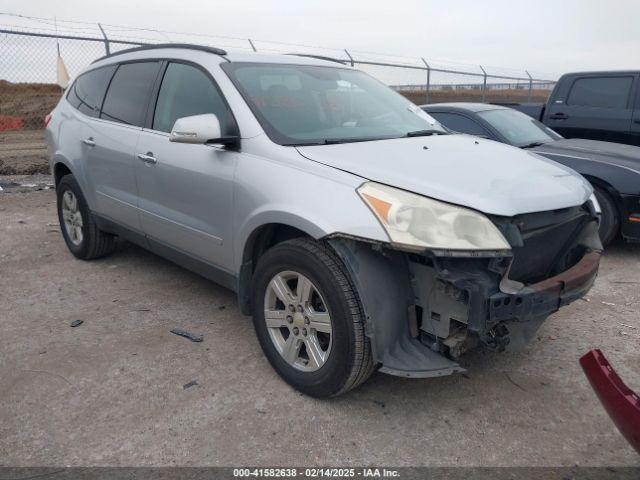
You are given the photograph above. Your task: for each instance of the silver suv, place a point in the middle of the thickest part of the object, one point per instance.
(359, 234)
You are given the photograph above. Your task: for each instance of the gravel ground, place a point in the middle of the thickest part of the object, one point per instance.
(113, 391)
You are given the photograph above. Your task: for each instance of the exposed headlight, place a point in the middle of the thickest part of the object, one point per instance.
(423, 223)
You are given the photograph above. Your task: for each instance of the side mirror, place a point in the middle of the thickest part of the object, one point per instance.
(200, 129)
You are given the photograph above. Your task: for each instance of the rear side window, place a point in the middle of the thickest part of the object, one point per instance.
(185, 91)
(126, 97)
(604, 92)
(87, 92)
(460, 123)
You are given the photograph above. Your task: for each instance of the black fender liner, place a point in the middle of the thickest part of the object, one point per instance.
(383, 282)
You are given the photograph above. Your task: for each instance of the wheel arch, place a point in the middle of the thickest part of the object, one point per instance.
(258, 241)
(610, 190)
(60, 169)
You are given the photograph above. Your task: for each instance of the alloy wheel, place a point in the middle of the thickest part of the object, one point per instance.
(298, 321)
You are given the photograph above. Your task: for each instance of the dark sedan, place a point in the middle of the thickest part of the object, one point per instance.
(612, 168)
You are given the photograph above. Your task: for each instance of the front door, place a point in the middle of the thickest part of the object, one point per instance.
(185, 190)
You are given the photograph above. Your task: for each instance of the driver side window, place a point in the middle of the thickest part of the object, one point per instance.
(186, 91)
(461, 124)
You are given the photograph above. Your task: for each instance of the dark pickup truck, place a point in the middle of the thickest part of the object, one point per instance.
(593, 105)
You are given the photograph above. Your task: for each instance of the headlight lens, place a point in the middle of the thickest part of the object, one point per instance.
(419, 222)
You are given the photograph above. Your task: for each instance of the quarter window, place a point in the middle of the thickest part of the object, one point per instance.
(604, 92)
(187, 91)
(127, 94)
(87, 91)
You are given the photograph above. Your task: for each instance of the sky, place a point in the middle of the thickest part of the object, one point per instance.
(544, 36)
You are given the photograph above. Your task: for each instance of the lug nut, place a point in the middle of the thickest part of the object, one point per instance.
(289, 319)
(304, 332)
(291, 308)
(296, 331)
(299, 308)
(306, 320)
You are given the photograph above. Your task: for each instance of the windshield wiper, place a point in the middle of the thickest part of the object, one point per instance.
(330, 141)
(425, 133)
(334, 141)
(532, 144)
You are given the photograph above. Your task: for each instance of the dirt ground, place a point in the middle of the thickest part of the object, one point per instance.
(113, 391)
(23, 152)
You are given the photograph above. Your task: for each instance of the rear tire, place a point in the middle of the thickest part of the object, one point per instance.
(81, 234)
(610, 221)
(347, 361)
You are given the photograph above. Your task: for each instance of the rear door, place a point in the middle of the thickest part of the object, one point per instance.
(598, 107)
(111, 140)
(85, 95)
(186, 190)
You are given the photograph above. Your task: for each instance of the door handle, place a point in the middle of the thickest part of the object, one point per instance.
(148, 158)
(558, 116)
(89, 141)
(637, 120)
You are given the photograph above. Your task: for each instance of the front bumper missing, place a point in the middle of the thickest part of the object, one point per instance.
(424, 311)
(501, 314)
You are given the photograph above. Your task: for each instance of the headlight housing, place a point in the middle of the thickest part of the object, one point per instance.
(418, 223)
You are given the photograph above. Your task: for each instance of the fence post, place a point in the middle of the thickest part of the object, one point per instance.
(350, 57)
(484, 83)
(428, 79)
(106, 40)
(530, 85)
(252, 45)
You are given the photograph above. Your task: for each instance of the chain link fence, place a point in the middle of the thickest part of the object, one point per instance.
(28, 89)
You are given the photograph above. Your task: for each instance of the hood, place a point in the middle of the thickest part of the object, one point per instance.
(618, 154)
(480, 174)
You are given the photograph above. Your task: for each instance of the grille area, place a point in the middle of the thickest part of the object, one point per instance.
(548, 243)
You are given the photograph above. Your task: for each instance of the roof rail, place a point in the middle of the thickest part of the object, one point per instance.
(319, 57)
(202, 48)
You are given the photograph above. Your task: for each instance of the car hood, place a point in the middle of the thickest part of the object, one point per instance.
(604, 152)
(481, 174)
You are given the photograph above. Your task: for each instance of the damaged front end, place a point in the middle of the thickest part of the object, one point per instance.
(426, 309)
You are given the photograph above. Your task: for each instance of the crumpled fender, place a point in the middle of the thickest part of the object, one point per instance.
(382, 281)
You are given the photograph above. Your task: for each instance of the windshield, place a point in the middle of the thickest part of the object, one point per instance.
(519, 129)
(308, 104)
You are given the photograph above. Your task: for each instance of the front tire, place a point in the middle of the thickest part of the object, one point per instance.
(610, 221)
(308, 319)
(81, 234)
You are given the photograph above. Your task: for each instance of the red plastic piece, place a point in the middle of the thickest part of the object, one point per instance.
(620, 402)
